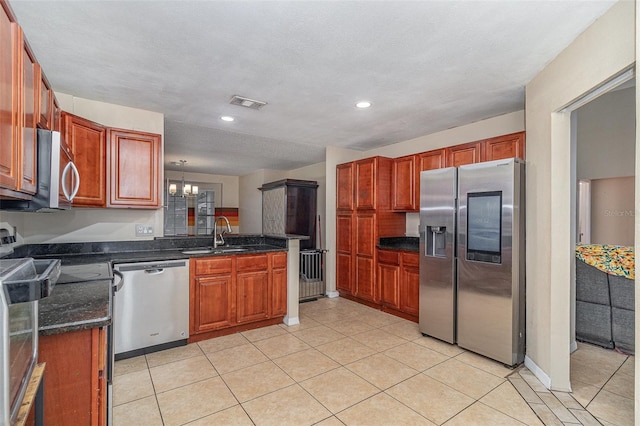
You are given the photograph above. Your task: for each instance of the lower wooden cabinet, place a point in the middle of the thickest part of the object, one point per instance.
(399, 282)
(409, 292)
(231, 291)
(75, 377)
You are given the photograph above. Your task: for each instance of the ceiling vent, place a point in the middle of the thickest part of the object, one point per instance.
(246, 102)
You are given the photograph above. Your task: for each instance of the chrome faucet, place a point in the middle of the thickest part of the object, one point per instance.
(218, 240)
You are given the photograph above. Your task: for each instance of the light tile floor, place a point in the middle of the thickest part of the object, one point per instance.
(350, 364)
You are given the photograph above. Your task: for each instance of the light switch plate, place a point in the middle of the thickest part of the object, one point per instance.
(144, 230)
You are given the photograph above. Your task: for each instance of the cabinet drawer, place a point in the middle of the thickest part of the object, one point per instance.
(214, 265)
(252, 263)
(279, 261)
(410, 259)
(387, 256)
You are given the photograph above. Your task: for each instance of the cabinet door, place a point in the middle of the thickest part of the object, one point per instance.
(344, 252)
(9, 103)
(507, 146)
(467, 153)
(431, 160)
(410, 284)
(278, 284)
(30, 103)
(134, 171)
(344, 272)
(74, 384)
(45, 115)
(365, 234)
(404, 183)
(365, 287)
(344, 186)
(87, 140)
(253, 296)
(56, 119)
(365, 181)
(389, 278)
(214, 303)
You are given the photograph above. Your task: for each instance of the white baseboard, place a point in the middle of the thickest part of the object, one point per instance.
(332, 294)
(291, 321)
(538, 372)
(573, 347)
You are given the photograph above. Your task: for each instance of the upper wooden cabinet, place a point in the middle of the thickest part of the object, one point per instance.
(118, 168)
(507, 146)
(135, 169)
(30, 99)
(46, 111)
(404, 183)
(467, 153)
(87, 140)
(9, 105)
(430, 160)
(344, 186)
(372, 182)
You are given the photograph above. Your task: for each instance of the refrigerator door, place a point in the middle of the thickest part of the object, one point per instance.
(490, 315)
(437, 253)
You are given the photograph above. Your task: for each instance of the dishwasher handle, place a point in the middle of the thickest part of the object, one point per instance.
(118, 285)
(156, 271)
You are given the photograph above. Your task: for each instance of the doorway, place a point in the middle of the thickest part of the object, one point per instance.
(603, 217)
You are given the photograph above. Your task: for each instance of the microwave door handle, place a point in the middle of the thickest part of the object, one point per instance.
(76, 187)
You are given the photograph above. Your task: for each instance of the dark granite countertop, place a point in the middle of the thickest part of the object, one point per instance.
(76, 306)
(79, 306)
(400, 243)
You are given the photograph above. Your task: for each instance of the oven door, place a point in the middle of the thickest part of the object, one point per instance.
(19, 335)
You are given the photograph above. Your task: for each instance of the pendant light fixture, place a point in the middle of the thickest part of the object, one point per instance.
(187, 189)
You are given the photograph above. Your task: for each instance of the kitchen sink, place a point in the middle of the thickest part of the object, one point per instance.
(211, 250)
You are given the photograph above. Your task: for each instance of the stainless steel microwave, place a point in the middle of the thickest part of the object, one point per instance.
(58, 177)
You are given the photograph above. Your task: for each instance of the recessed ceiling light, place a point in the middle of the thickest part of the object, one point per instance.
(363, 104)
(227, 118)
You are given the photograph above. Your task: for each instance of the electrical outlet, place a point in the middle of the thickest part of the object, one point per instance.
(144, 230)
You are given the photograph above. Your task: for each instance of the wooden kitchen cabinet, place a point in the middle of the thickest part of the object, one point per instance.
(9, 105)
(431, 160)
(410, 284)
(30, 103)
(467, 153)
(279, 284)
(87, 140)
(135, 169)
(389, 278)
(212, 295)
(399, 281)
(252, 283)
(234, 293)
(507, 146)
(344, 252)
(75, 377)
(344, 187)
(405, 196)
(358, 229)
(45, 109)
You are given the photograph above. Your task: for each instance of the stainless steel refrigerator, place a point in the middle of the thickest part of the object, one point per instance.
(472, 257)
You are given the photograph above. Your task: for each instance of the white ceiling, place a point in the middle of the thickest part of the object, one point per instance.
(425, 65)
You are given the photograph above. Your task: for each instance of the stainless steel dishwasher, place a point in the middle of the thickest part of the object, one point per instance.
(151, 308)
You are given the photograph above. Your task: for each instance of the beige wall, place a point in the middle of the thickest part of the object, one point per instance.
(78, 225)
(603, 50)
(606, 136)
(612, 211)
